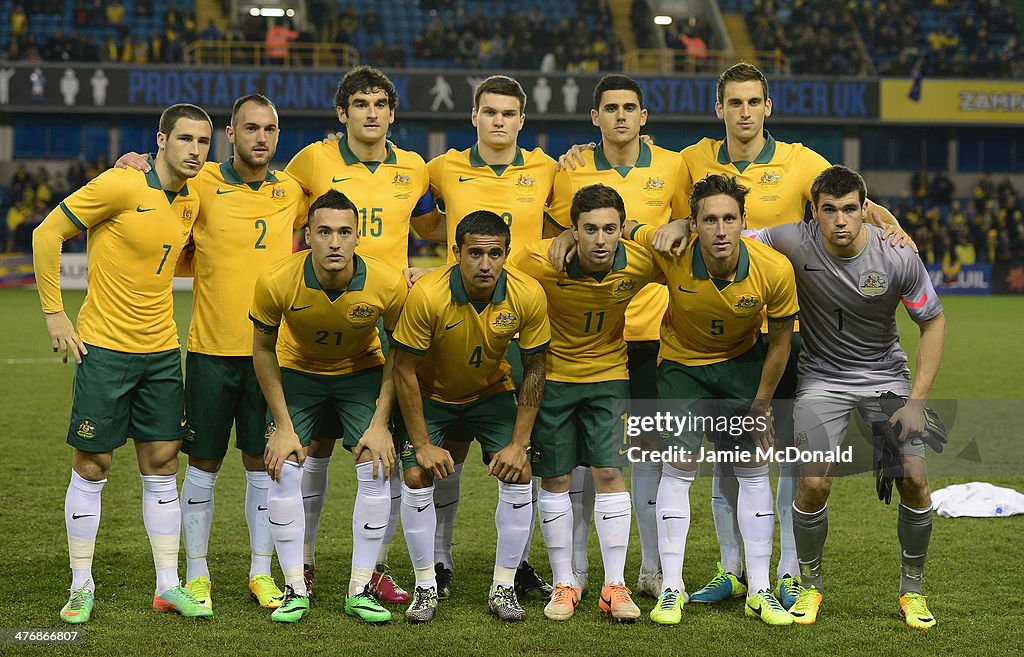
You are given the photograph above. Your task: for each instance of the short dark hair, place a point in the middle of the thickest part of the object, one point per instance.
(742, 72)
(482, 222)
(595, 197)
(332, 199)
(169, 117)
(502, 85)
(837, 181)
(257, 98)
(617, 82)
(714, 185)
(364, 79)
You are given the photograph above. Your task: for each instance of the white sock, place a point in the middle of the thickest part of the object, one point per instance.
(755, 514)
(512, 518)
(724, 492)
(581, 494)
(288, 523)
(446, 503)
(82, 519)
(789, 564)
(419, 522)
(257, 517)
(612, 516)
(395, 484)
(162, 518)
(369, 523)
(535, 487)
(644, 483)
(196, 519)
(556, 525)
(314, 493)
(673, 524)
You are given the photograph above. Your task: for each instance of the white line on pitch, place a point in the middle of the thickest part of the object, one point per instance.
(28, 361)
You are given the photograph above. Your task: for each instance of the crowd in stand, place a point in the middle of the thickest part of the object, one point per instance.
(816, 37)
(29, 197)
(985, 227)
(179, 28)
(966, 46)
(524, 41)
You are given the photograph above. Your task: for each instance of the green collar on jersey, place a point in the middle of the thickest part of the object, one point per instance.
(643, 160)
(458, 288)
(764, 157)
(350, 157)
(153, 180)
(228, 172)
(476, 161)
(573, 269)
(700, 270)
(357, 283)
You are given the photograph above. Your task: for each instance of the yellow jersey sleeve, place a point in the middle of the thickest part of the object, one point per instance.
(303, 167)
(561, 198)
(782, 301)
(398, 292)
(266, 309)
(415, 326)
(534, 330)
(102, 197)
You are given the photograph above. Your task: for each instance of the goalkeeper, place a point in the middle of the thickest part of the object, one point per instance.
(850, 283)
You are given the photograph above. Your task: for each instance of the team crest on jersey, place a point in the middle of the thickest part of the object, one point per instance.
(401, 180)
(525, 182)
(186, 213)
(362, 313)
(746, 303)
(770, 179)
(873, 283)
(654, 185)
(624, 287)
(86, 429)
(278, 193)
(505, 321)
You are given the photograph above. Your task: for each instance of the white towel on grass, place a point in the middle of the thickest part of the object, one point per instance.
(977, 499)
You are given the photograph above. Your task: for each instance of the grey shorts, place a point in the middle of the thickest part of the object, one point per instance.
(821, 419)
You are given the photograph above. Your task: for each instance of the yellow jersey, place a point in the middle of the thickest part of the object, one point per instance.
(328, 331)
(779, 178)
(386, 193)
(136, 231)
(588, 312)
(710, 320)
(518, 192)
(242, 229)
(462, 342)
(651, 192)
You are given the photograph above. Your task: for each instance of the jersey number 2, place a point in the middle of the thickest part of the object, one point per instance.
(261, 225)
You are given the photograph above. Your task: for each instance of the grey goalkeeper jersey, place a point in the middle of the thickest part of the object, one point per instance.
(848, 308)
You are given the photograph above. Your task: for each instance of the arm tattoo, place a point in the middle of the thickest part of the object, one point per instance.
(532, 390)
(264, 330)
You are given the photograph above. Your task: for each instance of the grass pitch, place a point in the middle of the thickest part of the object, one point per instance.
(973, 577)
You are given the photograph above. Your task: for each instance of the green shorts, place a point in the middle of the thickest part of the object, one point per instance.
(352, 397)
(785, 394)
(490, 420)
(118, 395)
(580, 424)
(722, 391)
(643, 368)
(221, 391)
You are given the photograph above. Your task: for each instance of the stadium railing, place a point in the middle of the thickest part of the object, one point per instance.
(253, 53)
(662, 60)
